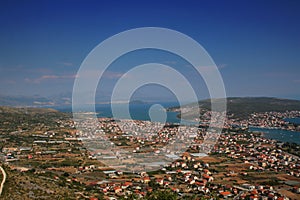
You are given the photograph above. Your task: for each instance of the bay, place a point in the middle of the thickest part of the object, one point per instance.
(137, 111)
(278, 134)
(295, 120)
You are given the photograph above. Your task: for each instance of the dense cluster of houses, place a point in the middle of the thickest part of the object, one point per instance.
(269, 120)
(190, 176)
(262, 153)
(187, 176)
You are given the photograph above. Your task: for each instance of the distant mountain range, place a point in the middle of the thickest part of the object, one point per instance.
(34, 101)
(58, 100)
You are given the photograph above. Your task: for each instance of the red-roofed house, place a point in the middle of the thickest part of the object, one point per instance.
(225, 194)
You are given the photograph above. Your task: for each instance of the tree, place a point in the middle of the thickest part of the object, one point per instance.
(161, 195)
(66, 174)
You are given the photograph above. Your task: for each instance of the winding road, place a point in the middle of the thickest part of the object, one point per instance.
(3, 180)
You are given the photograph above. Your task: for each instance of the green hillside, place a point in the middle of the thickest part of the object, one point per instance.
(12, 119)
(241, 107)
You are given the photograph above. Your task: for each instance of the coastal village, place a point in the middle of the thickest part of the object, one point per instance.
(150, 100)
(241, 165)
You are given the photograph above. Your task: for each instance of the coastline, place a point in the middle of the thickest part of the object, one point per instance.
(280, 135)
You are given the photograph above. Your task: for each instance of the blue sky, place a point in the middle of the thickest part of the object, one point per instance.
(256, 44)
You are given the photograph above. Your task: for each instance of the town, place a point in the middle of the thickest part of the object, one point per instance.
(241, 165)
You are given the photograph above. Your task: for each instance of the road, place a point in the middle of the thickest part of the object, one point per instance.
(238, 196)
(3, 180)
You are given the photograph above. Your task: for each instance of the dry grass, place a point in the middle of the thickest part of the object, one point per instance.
(27, 186)
(211, 159)
(289, 194)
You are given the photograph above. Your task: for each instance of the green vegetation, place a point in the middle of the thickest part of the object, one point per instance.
(161, 195)
(20, 119)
